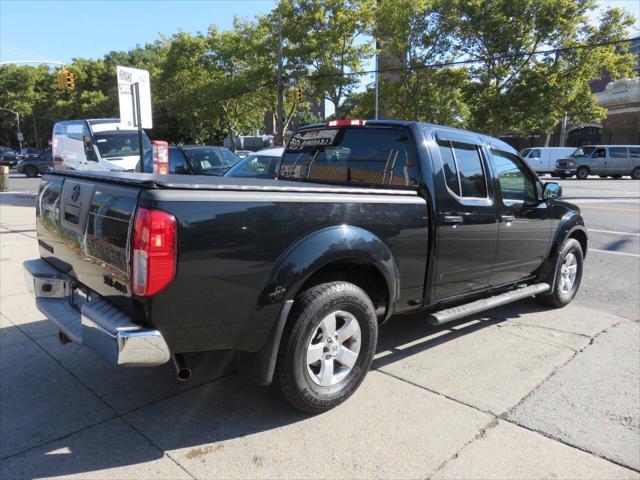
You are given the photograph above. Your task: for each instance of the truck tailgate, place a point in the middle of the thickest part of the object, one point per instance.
(84, 228)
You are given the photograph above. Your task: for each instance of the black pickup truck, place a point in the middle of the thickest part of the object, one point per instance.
(367, 220)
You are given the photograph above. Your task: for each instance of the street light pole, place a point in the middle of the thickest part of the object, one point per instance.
(280, 123)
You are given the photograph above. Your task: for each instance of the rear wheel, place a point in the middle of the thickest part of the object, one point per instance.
(568, 275)
(582, 173)
(31, 171)
(327, 346)
(636, 173)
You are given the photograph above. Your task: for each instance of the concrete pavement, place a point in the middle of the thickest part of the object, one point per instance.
(518, 392)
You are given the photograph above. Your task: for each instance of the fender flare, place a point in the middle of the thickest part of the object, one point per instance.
(323, 247)
(569, 224)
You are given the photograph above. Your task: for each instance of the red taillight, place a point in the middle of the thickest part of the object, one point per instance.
(153, 251)
(346, 123)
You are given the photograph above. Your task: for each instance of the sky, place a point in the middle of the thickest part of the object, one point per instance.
(60, 30)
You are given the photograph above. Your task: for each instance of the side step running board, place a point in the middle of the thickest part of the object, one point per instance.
(454, 313)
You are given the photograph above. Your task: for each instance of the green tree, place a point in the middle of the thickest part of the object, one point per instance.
(329, 39)
(514, 89)
(411, 36)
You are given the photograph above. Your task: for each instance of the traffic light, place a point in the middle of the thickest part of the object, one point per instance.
(70, 81)
(298, 93)
(60, 79)
(65, 80)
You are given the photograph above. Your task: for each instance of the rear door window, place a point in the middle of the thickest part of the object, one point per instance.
(634, 152)
(363, 156)
(463, 169)
(618, 152)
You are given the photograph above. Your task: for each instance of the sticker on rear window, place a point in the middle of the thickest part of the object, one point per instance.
(312, 139)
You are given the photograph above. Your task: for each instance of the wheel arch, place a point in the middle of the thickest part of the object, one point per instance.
(344, 252)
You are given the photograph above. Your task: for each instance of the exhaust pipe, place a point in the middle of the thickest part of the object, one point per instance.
(182, 371)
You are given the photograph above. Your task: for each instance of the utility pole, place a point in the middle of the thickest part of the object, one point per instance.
(35, 128)
(279, 124)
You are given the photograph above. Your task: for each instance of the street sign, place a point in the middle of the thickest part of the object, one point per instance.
(20, 137)
(127, 78)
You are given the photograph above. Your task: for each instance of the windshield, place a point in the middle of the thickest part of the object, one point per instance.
(212, 159)
(255, 166)
(120, 144)
(583, 152)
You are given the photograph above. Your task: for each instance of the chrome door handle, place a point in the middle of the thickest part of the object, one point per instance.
(452, 219)
(508, 218)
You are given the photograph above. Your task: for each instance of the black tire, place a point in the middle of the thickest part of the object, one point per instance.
(582, 173)
(30, 171)
(558, 298)
(293, 377)
(636, 173)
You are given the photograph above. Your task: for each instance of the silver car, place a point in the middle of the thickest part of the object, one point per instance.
(603, 160)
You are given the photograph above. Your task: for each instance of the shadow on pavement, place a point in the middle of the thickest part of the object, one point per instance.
(199, 416)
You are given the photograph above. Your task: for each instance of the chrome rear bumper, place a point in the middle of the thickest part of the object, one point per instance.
(93, 322)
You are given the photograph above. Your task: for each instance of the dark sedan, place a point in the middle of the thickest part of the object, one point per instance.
(34, 166)
(8, 157)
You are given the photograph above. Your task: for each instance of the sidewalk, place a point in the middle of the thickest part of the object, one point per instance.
(519, 392)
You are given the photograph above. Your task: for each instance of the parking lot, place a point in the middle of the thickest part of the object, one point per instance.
(517, 392)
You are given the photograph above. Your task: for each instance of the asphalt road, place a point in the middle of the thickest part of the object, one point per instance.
(520, 391)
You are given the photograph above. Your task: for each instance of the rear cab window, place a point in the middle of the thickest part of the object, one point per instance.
(464, 171)
(363, 156)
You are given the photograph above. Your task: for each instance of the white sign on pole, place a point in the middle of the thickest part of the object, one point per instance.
(126, 78)
(20, 137)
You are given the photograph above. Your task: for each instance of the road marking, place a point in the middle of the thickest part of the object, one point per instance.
(635, 255)
(634, 210)
(613, 232)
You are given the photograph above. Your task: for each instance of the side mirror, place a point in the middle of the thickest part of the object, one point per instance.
(88, 149)
(551, 190)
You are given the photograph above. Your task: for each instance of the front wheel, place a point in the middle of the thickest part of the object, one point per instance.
(582, 173)
(31, 171)
(327, 346)
(568, 275)
(636, 173)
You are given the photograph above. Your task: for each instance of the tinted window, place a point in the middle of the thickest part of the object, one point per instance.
(368, 156)
(617, 152)
(449, 167)
(535, 153)
(634, 152)
(470, 170)
(514, 179)
(177, 162)
(599, 152)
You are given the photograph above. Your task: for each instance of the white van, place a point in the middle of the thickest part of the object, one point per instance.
(543, 159)
(98, 144)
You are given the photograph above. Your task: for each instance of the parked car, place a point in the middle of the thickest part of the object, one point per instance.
(543, 159)
(32, 167)
(603, 160)
(96, 144)
(262, 164)
(8, 157)
(243, 153)
(195, 160)
(365, 220)
(27, 153)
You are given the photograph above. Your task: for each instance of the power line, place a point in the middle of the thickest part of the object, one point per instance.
(472, 61)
